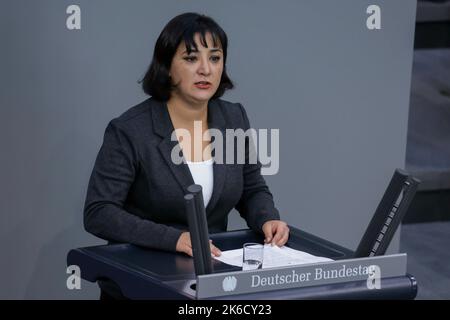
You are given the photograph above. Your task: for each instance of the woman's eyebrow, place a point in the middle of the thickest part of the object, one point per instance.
(191, 51)
(211, 50)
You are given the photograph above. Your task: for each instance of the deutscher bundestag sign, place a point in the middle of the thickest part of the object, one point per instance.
(371, 268)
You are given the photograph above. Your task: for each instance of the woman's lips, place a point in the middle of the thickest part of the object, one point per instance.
(203, 85)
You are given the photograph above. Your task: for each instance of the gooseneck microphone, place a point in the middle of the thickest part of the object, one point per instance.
(198, 229)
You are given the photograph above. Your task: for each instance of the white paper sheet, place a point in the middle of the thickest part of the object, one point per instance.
(273, 257)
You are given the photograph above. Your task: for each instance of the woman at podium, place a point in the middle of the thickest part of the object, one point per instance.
(137, 186)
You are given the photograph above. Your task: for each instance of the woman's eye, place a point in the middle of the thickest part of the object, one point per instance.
(190, 59)
(215, 58)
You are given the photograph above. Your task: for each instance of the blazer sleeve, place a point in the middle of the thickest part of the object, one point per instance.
(256, 205)
(112, 176)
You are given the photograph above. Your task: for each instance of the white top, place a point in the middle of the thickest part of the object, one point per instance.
(202, 172)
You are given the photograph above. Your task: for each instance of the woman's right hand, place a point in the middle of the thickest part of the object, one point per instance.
(184, 245)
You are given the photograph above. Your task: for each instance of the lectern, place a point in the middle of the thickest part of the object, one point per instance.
(142, 273)
(152, 274)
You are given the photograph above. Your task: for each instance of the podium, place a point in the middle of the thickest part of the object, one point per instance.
(143, 273)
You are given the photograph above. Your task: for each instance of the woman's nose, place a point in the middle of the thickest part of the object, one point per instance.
(204, 67)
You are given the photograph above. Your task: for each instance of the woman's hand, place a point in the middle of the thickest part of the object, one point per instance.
(276, 232)
(184, 245)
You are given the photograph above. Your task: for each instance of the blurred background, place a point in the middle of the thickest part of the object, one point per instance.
(426, 227)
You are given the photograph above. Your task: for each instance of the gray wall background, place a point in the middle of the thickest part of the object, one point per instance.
(338, 92)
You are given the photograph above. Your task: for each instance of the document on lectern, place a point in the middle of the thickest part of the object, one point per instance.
(273, 257)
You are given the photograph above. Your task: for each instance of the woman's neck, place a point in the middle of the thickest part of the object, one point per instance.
(183, 116)
(184, 113)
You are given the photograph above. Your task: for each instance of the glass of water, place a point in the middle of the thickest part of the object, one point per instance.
(253, 255)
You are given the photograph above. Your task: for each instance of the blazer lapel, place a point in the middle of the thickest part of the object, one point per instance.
(181, 171)
(162, 125)
(216, 120)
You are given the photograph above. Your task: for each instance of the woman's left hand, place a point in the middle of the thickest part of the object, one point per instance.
(275, 232)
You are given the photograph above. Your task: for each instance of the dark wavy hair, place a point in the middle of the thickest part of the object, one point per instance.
(157, 82)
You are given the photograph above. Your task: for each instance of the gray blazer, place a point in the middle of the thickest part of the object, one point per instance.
(136, 193)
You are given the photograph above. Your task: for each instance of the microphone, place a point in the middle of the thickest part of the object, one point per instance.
(198, 229)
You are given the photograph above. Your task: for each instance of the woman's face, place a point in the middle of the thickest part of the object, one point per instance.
(197, 75)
